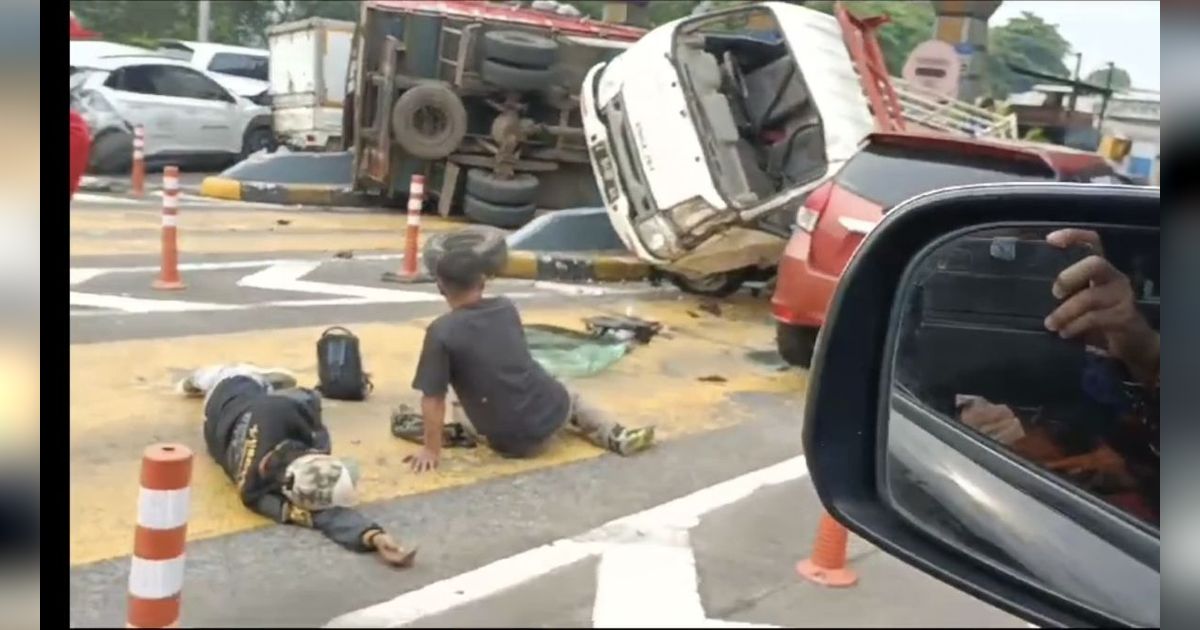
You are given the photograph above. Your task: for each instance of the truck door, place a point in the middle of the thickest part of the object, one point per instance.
(372, 154)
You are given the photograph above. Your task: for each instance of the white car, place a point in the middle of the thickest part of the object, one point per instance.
(184, 112)
(706, 135)
(240, 69)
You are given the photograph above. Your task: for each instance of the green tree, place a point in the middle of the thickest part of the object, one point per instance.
(1029, 42)
(238, 22)
(1120, 78)
(330, 9)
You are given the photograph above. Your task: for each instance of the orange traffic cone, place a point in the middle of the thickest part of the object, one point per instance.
(827, 565)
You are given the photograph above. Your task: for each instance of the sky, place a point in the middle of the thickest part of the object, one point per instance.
(1126, 33)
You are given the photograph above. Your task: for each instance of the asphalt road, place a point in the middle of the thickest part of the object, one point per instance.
(259, 290)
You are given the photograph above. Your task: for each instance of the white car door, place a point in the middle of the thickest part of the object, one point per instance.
(214, 114)
(132, 90)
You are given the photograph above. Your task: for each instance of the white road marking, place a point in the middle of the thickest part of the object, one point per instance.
(141, 305)
(286, 277)
(154, 199)
(662, 522)
(650, 584)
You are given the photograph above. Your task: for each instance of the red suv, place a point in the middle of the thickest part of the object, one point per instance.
(888, 169)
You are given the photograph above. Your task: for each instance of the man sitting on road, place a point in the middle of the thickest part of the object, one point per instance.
(268, 437)
(479, 349)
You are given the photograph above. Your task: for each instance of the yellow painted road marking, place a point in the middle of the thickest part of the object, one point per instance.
(106, 232)
(121, 400)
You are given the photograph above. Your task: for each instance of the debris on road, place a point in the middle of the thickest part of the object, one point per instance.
(626, 327)
(283, 221)
(713, 378)
(712, 308)
(344, 254)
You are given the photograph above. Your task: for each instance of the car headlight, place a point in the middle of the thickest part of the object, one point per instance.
(263, 99)
(96, 102)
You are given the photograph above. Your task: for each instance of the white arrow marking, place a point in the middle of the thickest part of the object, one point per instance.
(677, 515)
(648, 585)
(285, 276)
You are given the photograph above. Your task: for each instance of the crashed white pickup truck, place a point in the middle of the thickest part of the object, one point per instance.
(706, 135)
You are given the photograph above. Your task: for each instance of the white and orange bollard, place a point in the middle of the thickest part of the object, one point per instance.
(827, 564)
(137, 175)
(156, 568)
(168, 276)
(409, 271)
(412, 233)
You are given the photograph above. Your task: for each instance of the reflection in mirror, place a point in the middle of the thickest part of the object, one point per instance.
(1041, 344)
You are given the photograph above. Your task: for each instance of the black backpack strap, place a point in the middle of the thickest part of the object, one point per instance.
(333, 329)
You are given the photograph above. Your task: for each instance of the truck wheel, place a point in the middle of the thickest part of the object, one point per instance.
(713, 285)
(795, 343)
(487, 242)
(516, 78)
(111, 154)
(520, 190)
(497, 215)
(429, 121)
(518, 48)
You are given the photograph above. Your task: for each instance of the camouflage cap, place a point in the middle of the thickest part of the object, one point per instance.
(318, 482)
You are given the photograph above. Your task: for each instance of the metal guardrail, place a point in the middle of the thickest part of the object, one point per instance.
(949, 115)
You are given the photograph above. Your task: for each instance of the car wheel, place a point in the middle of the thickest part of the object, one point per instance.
(516, 191)
(429, 121)
(257, 139)
(712, 285)
(497, 215)
(518, 48)
(516, 78)
(487, 242)
(111, 154)
(796, 343)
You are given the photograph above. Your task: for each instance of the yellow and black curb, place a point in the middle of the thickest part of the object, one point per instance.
(574, 267)
(284, 194)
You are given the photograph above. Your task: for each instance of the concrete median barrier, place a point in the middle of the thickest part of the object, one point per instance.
(321, 179)
(574, 245)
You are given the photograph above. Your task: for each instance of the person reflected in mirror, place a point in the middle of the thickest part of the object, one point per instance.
(1097, 306)
(268, 437)
(507, 399)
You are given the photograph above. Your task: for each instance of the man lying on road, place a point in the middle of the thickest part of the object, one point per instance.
(268, 437)
(479, 349)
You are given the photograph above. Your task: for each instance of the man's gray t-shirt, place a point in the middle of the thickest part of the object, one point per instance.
(481, 351)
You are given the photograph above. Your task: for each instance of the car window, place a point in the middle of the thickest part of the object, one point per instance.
(167, 81)
(248, 66)
(888, 174)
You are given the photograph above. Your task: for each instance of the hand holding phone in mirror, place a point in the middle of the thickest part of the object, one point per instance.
(1099, 306)
(995, 421)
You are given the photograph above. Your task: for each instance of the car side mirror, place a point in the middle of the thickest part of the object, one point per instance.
(949, 425)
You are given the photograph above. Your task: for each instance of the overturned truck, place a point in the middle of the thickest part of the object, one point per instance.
(482, 99)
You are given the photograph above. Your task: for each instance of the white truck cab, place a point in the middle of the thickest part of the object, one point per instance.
(706, 135)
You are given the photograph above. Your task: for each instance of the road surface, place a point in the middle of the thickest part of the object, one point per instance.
(263, 282)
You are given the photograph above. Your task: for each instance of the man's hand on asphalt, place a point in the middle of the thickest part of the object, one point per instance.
(1099, 306)
(424, 460)
(391, 552)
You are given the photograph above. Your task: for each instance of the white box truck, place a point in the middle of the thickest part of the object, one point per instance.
(309, 60)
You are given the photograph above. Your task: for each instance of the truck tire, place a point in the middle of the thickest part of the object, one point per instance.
(795, 343)
(717, 285)
(520, 190)
(521, 49)
(256, 139)
(497, 215)
(111, 154)
(516, 78)
(429, 121)
(487, 242)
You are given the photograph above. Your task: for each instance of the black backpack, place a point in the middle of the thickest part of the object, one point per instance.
(339, 366)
